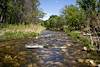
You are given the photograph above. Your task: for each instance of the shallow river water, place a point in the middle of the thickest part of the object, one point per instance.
(55, 49)
(58, 50)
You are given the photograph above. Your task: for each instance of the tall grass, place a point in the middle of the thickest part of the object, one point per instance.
(22, 27)
(78, 37)
(13, 31)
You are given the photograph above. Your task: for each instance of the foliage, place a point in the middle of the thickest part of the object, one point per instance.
(13, 31)
(98, 6)
(91, 8)
(54, 22)
(76, 36)
(88, 5)
(19, 11)
(74, 17)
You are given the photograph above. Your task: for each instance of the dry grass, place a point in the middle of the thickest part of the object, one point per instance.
(19, 31)
(22, 28)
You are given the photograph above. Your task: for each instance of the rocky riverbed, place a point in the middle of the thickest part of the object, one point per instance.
(58, 50)
(50, 49)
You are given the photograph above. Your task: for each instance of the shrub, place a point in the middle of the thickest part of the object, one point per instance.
(82, 39)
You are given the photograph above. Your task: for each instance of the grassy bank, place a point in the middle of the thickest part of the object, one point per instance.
(92, 55)
(9, 31)
(75, 35)
(78, 37)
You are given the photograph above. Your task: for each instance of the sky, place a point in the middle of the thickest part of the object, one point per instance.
(53, 7)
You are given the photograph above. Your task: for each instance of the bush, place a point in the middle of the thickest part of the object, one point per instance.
(75, 35)
(82, 39)
(74, 17)
(66, 29)
(54, 23)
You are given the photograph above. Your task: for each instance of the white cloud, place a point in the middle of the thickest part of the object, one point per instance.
(46, 17)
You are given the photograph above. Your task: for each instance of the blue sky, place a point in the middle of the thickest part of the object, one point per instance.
(53, 7)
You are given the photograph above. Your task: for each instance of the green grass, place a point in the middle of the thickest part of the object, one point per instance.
(9, 31)
(17, 35)
(76, 36)
(21, 27)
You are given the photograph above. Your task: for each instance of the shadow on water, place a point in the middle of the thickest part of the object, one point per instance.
(48, 56)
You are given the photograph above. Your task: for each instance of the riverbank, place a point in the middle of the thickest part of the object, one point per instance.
(52, 54)
(20, 31)
(93, 55)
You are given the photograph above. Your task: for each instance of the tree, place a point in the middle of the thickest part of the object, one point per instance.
(98, 5)
(74, 17)
(31, 11)
(91, 8)
(3, 10)
(54, 22)
(18, 11)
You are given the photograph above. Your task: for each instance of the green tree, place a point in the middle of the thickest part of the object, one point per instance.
(91, 8)
(18, 11)
(74, 17)
(3, 10)
(54, 22)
